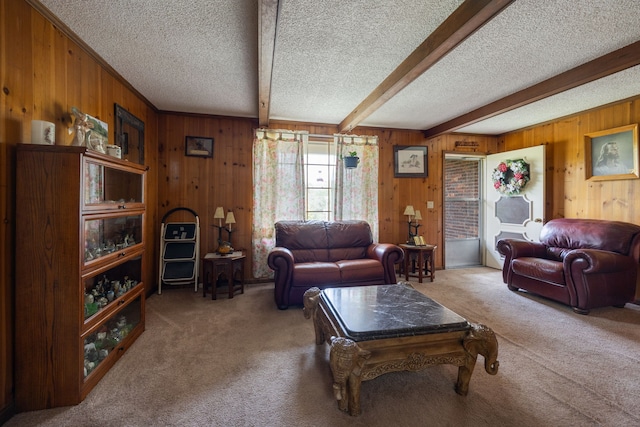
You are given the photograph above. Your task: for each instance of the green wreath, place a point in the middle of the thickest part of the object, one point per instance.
(511, 176)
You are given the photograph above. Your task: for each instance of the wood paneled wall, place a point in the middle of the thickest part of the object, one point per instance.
(202, 184)
(225, 180)
(568, 193)
(43, 74)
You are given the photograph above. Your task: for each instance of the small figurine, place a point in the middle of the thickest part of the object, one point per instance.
(82, 126)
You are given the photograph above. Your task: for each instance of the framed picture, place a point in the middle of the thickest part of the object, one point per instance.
(198, 147)
(410, 161)
(612, 154)
(129, 135)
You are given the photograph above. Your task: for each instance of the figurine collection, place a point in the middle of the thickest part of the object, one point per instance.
(97, 346)
(104, 292)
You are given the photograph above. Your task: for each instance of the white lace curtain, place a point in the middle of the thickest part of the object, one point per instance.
(278, 189)
(356, 195)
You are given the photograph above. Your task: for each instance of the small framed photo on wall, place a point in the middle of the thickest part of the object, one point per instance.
(197, 146)
(410, 161)
(612, 154)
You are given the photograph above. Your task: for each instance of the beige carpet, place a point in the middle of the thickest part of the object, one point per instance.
(243, 362)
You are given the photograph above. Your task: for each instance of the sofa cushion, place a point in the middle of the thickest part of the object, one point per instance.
(307, 241)
(348, 234)
(347, 253)
(359, 270)
(572, 233)
(309, 274)
(545, 270)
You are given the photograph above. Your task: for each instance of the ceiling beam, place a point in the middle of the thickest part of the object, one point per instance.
(464, 21)
(611, 63)
(267, 24)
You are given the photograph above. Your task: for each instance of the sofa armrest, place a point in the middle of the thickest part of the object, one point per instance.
(594, 274)
(515, 248)
(590, 261)
(281, 261)
(388, 254)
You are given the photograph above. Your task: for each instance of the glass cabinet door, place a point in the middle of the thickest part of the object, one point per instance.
(107, 186)
(105, 236)
(102, 288)
(99, 344)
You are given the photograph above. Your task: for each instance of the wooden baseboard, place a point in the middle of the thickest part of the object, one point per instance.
(6, 413)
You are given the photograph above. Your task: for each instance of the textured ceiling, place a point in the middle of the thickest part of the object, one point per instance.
(201, 56)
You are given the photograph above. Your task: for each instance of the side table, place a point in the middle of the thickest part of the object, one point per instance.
(425, 260)
(216, 267)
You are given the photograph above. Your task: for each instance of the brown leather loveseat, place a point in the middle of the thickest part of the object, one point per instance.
(584, 263)
(328, 254)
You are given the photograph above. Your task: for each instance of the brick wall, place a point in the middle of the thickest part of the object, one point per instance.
(461, 182)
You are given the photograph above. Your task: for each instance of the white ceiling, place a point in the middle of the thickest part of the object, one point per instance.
(201, 56)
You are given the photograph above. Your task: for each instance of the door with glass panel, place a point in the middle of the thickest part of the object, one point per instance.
(462, 210)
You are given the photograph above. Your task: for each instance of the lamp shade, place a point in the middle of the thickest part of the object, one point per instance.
(409, 210)
(219, 213)
(231, 219)
(418, 216)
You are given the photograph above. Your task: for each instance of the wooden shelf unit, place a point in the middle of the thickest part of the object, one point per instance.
(79, 234)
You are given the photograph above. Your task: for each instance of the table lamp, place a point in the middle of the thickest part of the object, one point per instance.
(219, 215)
(417, 217)
(410, 213)
(231, 219)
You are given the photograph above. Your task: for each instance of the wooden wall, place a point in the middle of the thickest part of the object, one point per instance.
(43, 74)
(225, 180)
(569, 194)
(202, 184)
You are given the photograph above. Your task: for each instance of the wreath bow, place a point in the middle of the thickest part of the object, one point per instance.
(511, 176)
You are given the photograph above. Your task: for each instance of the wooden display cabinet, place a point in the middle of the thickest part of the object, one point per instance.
(80, 300)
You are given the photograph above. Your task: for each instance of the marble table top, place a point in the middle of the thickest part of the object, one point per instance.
(388, 311)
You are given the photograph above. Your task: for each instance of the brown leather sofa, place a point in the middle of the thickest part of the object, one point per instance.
(584, 263)
(328, 254)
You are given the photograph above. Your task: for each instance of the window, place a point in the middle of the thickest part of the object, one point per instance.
(320, 165)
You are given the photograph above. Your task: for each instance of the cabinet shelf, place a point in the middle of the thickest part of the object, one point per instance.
(80, 298)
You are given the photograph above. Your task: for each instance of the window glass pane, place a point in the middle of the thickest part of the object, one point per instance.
(318, 176)
(318, 216)
(320, 167)
(318, 200)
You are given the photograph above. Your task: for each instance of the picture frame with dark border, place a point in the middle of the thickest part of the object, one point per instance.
(612, 154)
(129, 135)
(198, 146)
(410, 161)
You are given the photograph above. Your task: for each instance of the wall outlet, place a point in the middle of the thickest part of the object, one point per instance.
(430, 204)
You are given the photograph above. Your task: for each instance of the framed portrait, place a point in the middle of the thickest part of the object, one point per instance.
(612, 154)
(197, 146)
(410, 161)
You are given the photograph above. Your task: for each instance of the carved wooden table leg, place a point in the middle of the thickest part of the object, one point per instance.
(310, 299)
(479, 340)
(346, 360)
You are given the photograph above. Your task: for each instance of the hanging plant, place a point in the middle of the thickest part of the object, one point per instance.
(351, 161)
(511, 176)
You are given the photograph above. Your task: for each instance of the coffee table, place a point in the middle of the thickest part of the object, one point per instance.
(374, 330)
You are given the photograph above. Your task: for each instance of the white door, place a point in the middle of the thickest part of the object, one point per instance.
(516, 216)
